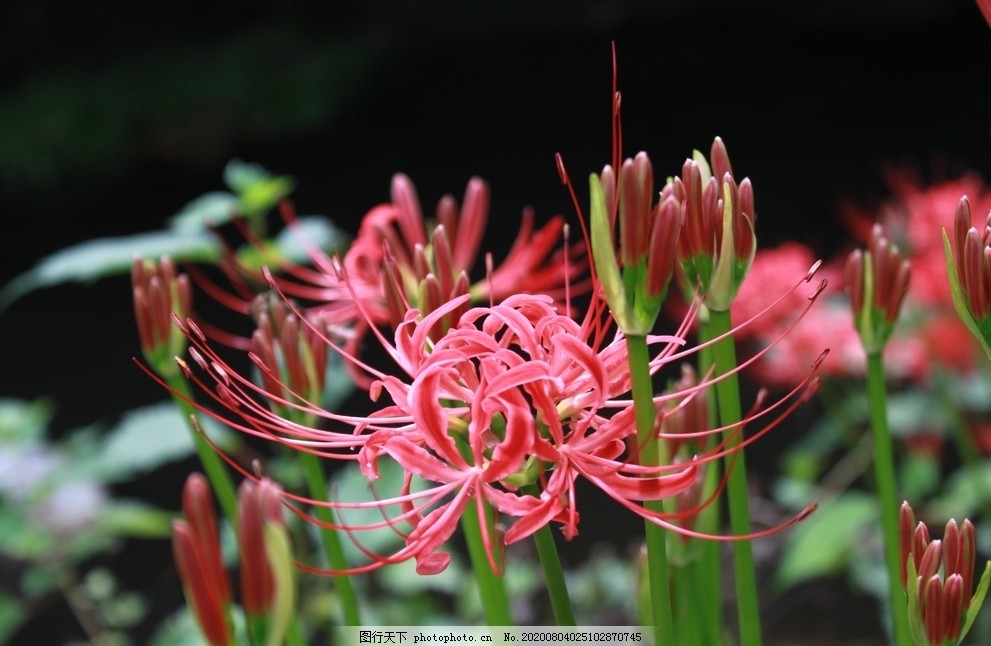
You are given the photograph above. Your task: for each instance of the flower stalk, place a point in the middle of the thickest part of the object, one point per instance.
(160, 293)
(715, 251)
(877, 280)
(292, 359)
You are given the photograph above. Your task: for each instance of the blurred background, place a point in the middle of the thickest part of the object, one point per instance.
(114, 115)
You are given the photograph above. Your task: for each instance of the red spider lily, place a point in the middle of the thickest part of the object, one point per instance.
(505, 411)
(495, 410)
(399, 260)
(158, 292)
(969, 268)
(196, 546)
(938, 576)
(260, 514)
(877, 280)
(717, 244)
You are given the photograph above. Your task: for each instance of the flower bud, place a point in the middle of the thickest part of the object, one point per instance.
(876, 280)
(718, 245)
(266, 564)
(158, 293)
(968, 267)
(938, 577)
(196, 548)
(634, 281)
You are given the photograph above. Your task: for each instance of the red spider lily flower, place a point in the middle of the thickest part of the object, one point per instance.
(495, 410)
(259, 514)
(398, 260)
(513, 397)
(877, 280)
(196, 547)
(938, 577)
(158, 292)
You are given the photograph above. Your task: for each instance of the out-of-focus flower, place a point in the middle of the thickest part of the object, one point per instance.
(938, 577)
(399, 260)
(717, 242)
(968, 266)
(929, 334)
(985, 7)
(877, 280)
(196, 548)
(264, 565)
(71, 507)
(158, 293)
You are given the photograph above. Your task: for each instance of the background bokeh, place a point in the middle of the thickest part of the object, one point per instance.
(114, 115)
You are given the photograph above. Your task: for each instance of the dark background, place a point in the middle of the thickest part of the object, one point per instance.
(114, 115)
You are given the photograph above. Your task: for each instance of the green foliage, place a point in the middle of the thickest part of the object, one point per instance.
(254, 192)
(56, 513)
(827, 541)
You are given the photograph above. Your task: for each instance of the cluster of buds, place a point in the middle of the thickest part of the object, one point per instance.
(717, 244)
(266, 562)
(158, 293)
(702, 224)
(635, 284)
(968, 267)
(291, 357)
(938, 577)
(876, 279)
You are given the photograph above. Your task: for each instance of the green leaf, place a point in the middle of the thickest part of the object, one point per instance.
(294, 243)
(179, 630)
(102, 257)
(825, 542)
(349, 485)
(12, 616)
(241, 175)
(19, 540)
(22, 421)
(147, 438)
(966, 489)
(206, 211)
(977, 600)
(258, 190)
(919, 475)
(135, 519)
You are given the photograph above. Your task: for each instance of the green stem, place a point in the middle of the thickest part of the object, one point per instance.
(294, 636)
(213, 465)
(557, 588)
(728, 397)
(884, 474)
(317, 484)
(650, 455)
(491, 586)
(708, 569)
